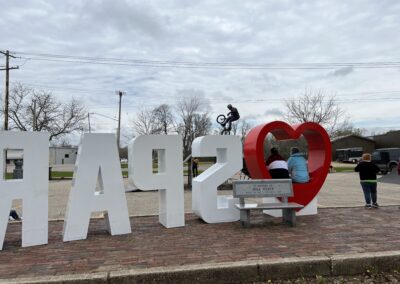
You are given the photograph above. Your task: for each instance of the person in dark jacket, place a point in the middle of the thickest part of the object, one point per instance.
(195, 165)
(232, 116)
(277, 166)
(367, 171)
(14, 215)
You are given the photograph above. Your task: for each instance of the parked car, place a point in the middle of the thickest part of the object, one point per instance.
(387, 159)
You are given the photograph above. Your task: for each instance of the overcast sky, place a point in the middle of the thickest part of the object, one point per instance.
(231, 32)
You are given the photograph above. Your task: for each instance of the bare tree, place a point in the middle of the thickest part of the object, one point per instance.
(241, 128)
(39, 110)
(163, 118)
(201, 124)
(145, 122)
(347, 128)
(192, 122)
(244, 128)
(235, 127)
(154, 121)
(314, 106)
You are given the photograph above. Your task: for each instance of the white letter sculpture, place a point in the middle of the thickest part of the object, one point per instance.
(168, 180)
(97, 160)
(205, 202)
(33, 188)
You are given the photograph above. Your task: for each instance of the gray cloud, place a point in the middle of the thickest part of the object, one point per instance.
(274, 112)
(123, 17)
(199, 94)
(251, 118)
(342, 71)
(207, 31)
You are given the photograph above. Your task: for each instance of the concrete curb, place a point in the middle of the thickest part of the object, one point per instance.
(351, 264)
(289, 268)
(86, 278)
(235, 272)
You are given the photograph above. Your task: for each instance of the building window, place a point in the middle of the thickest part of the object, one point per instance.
(14, 157)
(66, 156)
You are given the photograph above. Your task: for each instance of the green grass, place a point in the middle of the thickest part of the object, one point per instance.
(125, 166)
(201, 163)
(56, 174)
(186, 172)
(9, 175)
(343, 169)
(62, 175)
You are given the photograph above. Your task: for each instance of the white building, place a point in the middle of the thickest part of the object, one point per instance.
(57, 155)
(62, 155)
(14, 155)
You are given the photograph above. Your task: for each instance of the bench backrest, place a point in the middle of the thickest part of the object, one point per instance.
(262, 188)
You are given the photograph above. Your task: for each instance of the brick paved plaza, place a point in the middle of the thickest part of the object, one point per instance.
(333, 231)
(342, 227)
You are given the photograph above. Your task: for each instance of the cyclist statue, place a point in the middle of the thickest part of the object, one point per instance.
(232, 116)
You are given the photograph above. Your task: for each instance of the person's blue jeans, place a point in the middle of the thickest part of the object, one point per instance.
(369, 189)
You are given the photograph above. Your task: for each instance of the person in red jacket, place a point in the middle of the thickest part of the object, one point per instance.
(368, 171)
(277, 166)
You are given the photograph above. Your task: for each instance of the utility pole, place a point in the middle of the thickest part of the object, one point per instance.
(88, 117)
(7, 68)
(34, 115)
(120, 94)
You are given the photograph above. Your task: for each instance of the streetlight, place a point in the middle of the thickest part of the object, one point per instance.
(103, 115)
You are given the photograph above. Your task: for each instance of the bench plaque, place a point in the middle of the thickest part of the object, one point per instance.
(263, 188)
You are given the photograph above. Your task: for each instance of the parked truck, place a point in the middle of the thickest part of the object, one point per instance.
(387, 159)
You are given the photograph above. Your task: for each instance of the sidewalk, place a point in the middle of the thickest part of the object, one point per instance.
(151, 246)
(339, 190)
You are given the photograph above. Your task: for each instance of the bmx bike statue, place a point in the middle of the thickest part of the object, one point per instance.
(226, 127)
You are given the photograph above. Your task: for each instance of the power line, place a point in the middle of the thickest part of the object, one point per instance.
(128, 106)
(192, 62)
(103, 115)
(247, 101)
(155, 96)
(248, 67)
(204, 65)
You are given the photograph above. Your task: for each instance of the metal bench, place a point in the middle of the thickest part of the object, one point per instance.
(280, 188)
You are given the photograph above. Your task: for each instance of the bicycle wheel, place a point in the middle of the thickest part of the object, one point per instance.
(225, 132)
(221, 118)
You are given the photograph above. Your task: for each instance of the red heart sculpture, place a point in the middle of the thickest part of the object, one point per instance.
(319, 154)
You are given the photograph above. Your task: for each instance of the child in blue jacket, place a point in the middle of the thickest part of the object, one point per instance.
(297, 166)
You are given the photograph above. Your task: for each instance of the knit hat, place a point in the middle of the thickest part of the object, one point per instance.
(295, 150)
(366, 157)
(274, 150)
